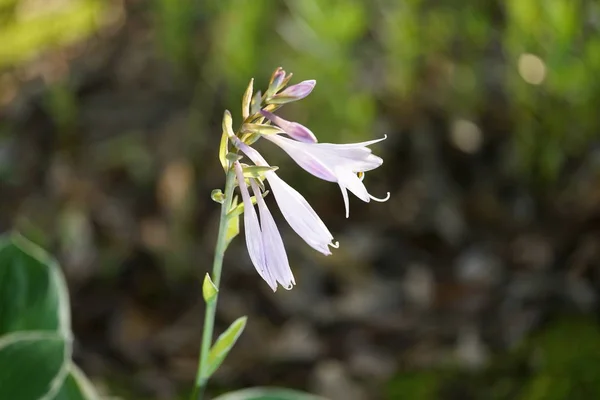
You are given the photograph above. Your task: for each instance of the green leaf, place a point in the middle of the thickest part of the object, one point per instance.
(35, 332)
(227, 132)
(250, 138)
(267, 393)
(227, 123)
(217, 196)
(256, 171)
(223, 150)
(256, 103)
(33, 294)
(223, 345)
(209, 290)
(279, 99)
(32, 364)
(76, 386)
(233, 157)
(233, 223)
(247, 99)
(261, 129)
(239, 208)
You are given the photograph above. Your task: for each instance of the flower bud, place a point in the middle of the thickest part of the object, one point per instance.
(276, 82)
(292, 129)
(294, 92)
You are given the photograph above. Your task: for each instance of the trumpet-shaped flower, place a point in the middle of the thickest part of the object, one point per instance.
(344, 164)
(295, 209)
(263, 240)
(335, 163)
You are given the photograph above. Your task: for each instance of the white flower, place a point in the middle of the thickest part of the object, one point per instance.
(263, 240)
(298, 213)
(335, 163)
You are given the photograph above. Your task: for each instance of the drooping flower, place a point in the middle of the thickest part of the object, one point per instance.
(335, 163)
(344, 164)
(263, 239)
(295, 209)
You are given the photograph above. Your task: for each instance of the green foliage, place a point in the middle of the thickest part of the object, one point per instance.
(561, 362)
(35, 332)
(209, 290)
(32, 364)
(233, 221)
(416, 386)
(24, 36)
(75, 386)
(32, 291)
(223, 345)
(566, 363)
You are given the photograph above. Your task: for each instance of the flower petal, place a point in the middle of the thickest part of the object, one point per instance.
(300, 215)
(275, 255)
(305, 159)
(252, 231)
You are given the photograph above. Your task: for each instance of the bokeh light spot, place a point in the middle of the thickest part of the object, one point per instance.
(532, 68)
(466, 136)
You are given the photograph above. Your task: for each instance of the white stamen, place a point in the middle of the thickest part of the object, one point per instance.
(387, 197)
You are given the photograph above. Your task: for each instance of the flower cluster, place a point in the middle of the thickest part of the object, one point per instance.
(344, 164)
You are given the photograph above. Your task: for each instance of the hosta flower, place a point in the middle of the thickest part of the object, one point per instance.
(295, 209)
(333, 162)
(263, 240)
(344, 164)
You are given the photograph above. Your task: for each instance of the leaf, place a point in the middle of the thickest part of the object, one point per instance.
(233, 157)
(262, 129)
(256, 103)
(233, 223)
(281, 99)
(247, 99)
(76, 386)
(223, 150)
(32, 364)
(217, 196)
(267, 393)
(223, 345)
(227, 126)
(227, 123)
(250, 138)
(257, 171)
(239, 208)
(209, 290)
(35, 332)
(33, 294)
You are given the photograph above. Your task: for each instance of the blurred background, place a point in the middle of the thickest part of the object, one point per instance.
(479, 279)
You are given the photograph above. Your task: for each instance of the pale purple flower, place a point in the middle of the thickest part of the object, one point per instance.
(335, 163)
(263, 240)
(298, 91)
(298, 213)
(292, 129)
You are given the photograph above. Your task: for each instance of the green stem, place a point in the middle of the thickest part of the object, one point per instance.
(209, 316)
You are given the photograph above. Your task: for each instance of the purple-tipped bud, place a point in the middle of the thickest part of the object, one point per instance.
(276, 81)
(292, 129)
(299, 91)
(277, 76)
